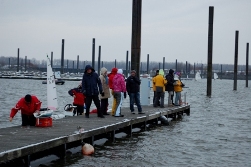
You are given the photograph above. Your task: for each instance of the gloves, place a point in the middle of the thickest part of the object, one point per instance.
(102, 94)
(125, 95)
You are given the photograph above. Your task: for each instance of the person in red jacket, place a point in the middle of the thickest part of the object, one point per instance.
(79, 99)
(28, 105)
(110, 82)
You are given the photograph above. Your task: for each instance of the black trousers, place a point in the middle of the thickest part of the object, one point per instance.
(79, 110)
(104, 104)
(88, 102)
(28, 120)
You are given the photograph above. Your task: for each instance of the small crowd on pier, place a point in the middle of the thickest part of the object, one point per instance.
(99, 88)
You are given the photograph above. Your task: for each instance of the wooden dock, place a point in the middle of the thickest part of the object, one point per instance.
(26, 143)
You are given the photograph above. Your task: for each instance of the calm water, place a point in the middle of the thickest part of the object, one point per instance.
(218, 132)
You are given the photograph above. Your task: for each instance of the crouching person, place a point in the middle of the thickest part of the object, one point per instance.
(28, 106)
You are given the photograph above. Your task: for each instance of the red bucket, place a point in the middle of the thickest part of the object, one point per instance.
(44, 122)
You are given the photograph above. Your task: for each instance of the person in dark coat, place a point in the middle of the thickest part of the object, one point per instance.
(132, 88)
(91, 88)
(169, 87)
(154, 89)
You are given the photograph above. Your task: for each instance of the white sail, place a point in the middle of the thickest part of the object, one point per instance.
(197, 76)
(52, 101)
(215, 76)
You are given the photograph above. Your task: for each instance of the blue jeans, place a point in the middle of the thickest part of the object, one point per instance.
(177, 98)
(136, 97)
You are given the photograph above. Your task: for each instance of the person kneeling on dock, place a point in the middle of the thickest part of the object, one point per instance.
(79, 99)
(28, 105)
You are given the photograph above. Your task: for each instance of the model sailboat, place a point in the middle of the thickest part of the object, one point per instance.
(52, 101)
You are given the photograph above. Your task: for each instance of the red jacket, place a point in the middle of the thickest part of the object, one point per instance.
(79, 96)
(111, 76)
(26, 108)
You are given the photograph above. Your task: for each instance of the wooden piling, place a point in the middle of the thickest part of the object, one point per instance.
(236, 59)
(72, 65)
(51, 59)
(77, 63)
(194, 70)
(136, 35)
(159, 66)
(17, 59)
(67, 63)
(62, 57)
(221, 70)
(115, 63)
(186, 67)
(163, 63)
(247, 64)
(25, 63)
(210, 51)
(147, 64)
(126, 63)
(99, 58)
(9, 62)
(129, 65)
(93, 53)
(176, 65)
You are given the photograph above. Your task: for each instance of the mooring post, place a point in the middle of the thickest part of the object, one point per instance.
(129, 130)
(9, 62)
(141, 68)
(136, 35)
(126, 64)
(67, 62)
(236, 59)
(210, 51)
(27, 161)
(247, 54)
(102, 64)
(221, 71)
(129, 65)
(186, 67)
(99, 58)
(92, 140)
(115, 63)
(77, 63)
(25, 63)
(176, 65)
(93, 53)
(51, 59)
(164, 64)
(17, 59)
(159, 65)
(112, 133)
(194, 70)
(147, 64)
(62, 57)
(73, 66)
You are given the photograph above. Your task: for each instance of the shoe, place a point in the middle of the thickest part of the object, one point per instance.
(155, 106)
(101, 116)
(162, 107)
(170, 105)
(141, 112)
(118, 115)
(176, 104)
(86, 116)
(133, 112)
(106, 114)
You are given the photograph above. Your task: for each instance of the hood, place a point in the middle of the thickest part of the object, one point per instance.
(171, 71)
(114, 70)
(103, 70)
(120, 71)
(89, 67)
(176, 77)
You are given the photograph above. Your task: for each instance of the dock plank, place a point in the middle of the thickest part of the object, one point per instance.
(17, 142)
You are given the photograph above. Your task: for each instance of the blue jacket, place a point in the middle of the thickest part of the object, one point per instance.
(91, 84)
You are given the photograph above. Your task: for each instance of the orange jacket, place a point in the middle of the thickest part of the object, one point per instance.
(26, 108)
(177, 86)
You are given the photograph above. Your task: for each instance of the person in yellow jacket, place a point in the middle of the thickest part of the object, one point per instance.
(177, 89)
(159, 82)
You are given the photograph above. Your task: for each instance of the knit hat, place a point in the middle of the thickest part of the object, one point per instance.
(133, 71)
(27, 98)
(120, 71)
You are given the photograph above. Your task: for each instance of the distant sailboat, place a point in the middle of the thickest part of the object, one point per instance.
(216, 76)
(197, 76)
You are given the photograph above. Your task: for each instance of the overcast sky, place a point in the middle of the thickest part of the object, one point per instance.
(170, 29)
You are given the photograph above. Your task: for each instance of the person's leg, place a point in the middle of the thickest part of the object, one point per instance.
(178, 94)
(80, 109)
(114, 103)
(162, 96)
(74, 110)
(88, 102)
(24, 120)
(32, 120)
(103, 106)
(118, 103)
(154, 94)
(172, 97)
(132, 101)
(156, 99)
(137, 98)
(169, 98)
(106, 107)
(97, 104)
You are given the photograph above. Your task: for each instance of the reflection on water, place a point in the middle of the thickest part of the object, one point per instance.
(218, 132)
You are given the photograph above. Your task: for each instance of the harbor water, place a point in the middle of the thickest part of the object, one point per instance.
(217, 133)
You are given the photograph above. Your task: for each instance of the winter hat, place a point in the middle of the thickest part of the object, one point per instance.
(176, 77)
(103, 70)
(120, 71)
(27, 98)
(157, 71)
(133, 71)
